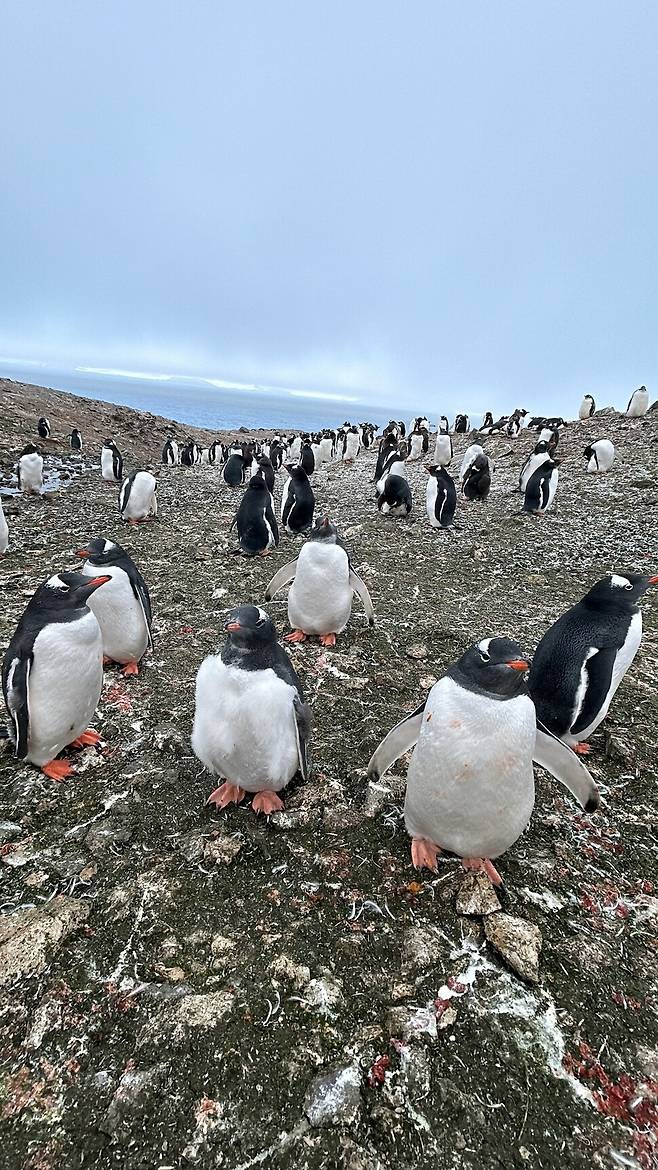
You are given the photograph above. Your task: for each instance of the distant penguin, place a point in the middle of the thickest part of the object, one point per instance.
(461, 424)
(550, 435)
(251, 724)
(583, 657)
(514, 424)
(190, 454)
(477, 480)
(215, 452)
(235, 468)
(307, 458)
(267, 472)
(638, 403)
(600, 456)
(52, 673)
(540, 454)
(43, 427)
(123, 607)
(75, 439)
(444, 425)
(470, 455)
(470, 784)
(440, 497)
(487, 421)
(297, 501)
(327, 447)
(111, 462)
(295, 448)
(138, 499)
(541, 488)
(443, 451)
(30, 470)
(4, 531)
(170, 452)
(255, 521)
(276, 455)
(419, 442)
(351, 445)
(323, 584)
(586, 408)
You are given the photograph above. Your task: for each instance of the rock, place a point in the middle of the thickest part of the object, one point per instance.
(336, 819)
(402, 991)
(417, 651)
(222, 850)
(167, 737)
(174, 1021)
(412, 1023)
(415, 1072)
(221, 948)
(284, 968)
(46, 1020)
(517, 942)
(421, 948)
(378, 795)
(9, 830)
(324, 993)
(18, 855)
(26, 937)
(103, 836)
(191, 845)
(334, 1098)
(134, 1093)
(476, 895)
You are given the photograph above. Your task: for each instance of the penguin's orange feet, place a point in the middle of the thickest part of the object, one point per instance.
(57, 770)
(295, 636)
(424, 853)
(581, 749)
(129, 668)
(483, 865)
(88, 738)
(327, 639)
(226, 794)
(107, 661)
(133, 522)
(267, 802)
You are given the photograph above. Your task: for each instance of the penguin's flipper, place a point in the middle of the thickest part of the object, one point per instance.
(281, 578)
(399, 740)
(361, 588)
(16, 687)
(271, 520)
(558, 759)
(598, 668)
(141, 593)
(303, 724)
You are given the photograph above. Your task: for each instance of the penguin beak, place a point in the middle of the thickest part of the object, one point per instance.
(96, 581)
(653, 580)
(232, 627)
(518, 664)
(82, 552)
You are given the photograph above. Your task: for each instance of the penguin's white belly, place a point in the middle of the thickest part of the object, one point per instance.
(244, 726)
(141, 502)
(64, 685)
(623, 661)
(31, 473)
(470, 787)
(531, 466)
(442, 451)
(326, 450)
(107, 465)
(430, 501)
(119, 615)
(351, 447)
(552, 488)
(416, 447)
(638, 405)
(4, 531)
(320, 597)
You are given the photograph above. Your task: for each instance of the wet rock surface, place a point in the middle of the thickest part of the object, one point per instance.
(220, 966)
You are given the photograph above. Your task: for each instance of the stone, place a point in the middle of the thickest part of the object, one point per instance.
(324, 994)
(378, 795)
(417, 651)
(167, 737)
(412, 1023)
(283, 968)
(175, 1020)
(415, 1072)
(476, 895)
(517, 942)
(421, 948)
(9, 831)
(131, 1099)
(334, 1098)
(336, 818)
(222, 850)
(28, 936)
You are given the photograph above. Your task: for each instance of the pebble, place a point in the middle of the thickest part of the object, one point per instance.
(28, 936)
(334, 1098)
(517, 942)
(421, 948)
(284, 968)
(476, 895)
(222, 850)
(417, 651)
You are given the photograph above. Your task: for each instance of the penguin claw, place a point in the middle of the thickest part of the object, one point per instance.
(424, 854)
(327, 639)
(267, 802)
(57, 770)
(581, 749)
(88, 738)
(129, 668)
(483, 865)
(295, 636)
(226, 794)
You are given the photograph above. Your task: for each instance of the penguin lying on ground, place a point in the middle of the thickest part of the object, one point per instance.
(52, 672)
(586, 408)
(111, 462)
(138, 501)
(123, 607)
(583, 657)
(600, 456)
(297, 501)
(541, 488)
(470, 784)
(30, 470)
(440, 497)
(323, 584)
(251, 724)
(638, 403)
(393, 464)
(255, 520)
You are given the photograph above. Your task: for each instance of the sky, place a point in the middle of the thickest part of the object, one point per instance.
(421, 202)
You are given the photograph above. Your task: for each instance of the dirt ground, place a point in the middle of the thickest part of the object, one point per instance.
(180, 986)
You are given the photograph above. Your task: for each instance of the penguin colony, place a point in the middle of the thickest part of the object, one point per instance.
(495, 712)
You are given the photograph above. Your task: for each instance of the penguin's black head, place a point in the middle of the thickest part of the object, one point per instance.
(324, 530)
(257, 483)
(100, 551)
(67, 591)
(588, 452)
(30, 449)
(619, 590)
(495, 666)
(541, 448)
(249, 628)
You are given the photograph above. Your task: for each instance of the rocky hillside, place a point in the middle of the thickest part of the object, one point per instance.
(186, 987)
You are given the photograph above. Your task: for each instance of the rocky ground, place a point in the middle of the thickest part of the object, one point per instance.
(186, 987)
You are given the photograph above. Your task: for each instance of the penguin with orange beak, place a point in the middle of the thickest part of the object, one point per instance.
(123, 608)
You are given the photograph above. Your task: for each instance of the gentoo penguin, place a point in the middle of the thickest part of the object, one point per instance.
(52, 672)
(323, 582)
(43, 427)
(307, 457)
(395, 500)
(30, 470)
(111, 462)
(123, 607)
(170, 452)
(75, 439)
(583, 657)
(600, 456)
(586, 408)
(461, 424)
(388, 447)
(476, 483)
(470, 455)
(394, 463)
(443, 450)
(190, 454)
(251, 724)
(538, 456)
(419, 443)
(541, 488)
(440, 497)
(138, 499)
(487, 421)
(267, 472)
(351, 445)
(470, 784)
(297, 501)
(214, 452)
(4, 531)
(235, 468)
(256, 524)
(550, 435)
(638, 403)
(327, 447)
(444, 426)
(276, 455)
(515, 423)
(295, 448)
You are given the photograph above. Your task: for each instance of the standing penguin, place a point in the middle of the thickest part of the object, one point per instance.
(307, 457)
(586, 408)
(235, 468)
(476, 483)
(251, 724)
(583, 657)
(534, 460)
(123, 607)
(638, 403)
(30, 470)
(541, 488)
(323, 583)
(600, 456)
(440, 497)
(267, 472)
(297, 501)
(43, 427)
(470, 783)
(351, 445)
(255, 520)
(4, 531)
(461, 424)
(419, 443)
(138, 499)
(443, 451)
(444, 425)
(170, 452)
(111, 462)
(52, 672)
(75, 439)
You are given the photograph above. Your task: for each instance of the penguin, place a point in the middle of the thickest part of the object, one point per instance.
(541, 488)
(419, 443)
(204, 455)
(30, 470)
(138, 499)
(600, 456)
(43, 427)
(462, 424)
(267, 472)
(550, 435)
(215, 452)
(170, 452)
(295, 448)
(470, 783)
(394, 464)
(444, 426)
(4, 531)
(327, 447)
(190, 454)
(251, 724)
(443, 451)
(638, 403)
(111, 462)
(538, 456)
(235, 468)
(75, 439)
(323, 584)
(477, 481)
(256, 524)
(351, 445)
(297, 501)
(487, 421)
(583, 657)
(307, 458)
(395, 499)
(586, 408)
(387, 447)
(52, 672)
(514, 424)
(440, 497)
(470, 455)
(123, 608)
(276, 455)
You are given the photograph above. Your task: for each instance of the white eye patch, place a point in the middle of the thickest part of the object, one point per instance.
(262, 615)
(54, 582)
(619, 582)
(484, 645)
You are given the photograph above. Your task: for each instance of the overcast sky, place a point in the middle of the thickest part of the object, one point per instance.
(428, 198)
